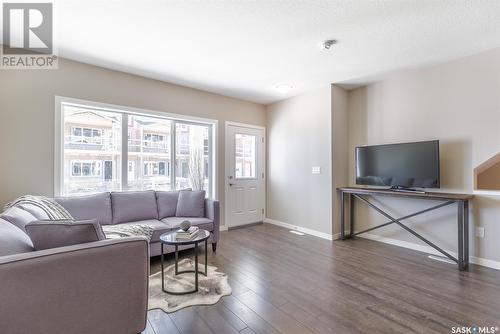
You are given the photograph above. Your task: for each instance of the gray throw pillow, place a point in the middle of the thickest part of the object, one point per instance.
(45, 234)
(191, 204)
(167, 203)
(132, 206)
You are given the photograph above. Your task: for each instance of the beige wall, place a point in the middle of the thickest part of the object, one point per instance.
(340, 138)
(301, 134)
(457, 103)
(27, 116)
(299, 138)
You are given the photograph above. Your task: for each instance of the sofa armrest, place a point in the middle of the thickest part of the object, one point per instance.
(97, 287)
(212, 212)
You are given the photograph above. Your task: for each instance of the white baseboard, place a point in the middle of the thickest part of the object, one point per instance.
(309, 231)
(223, 228)
(428, 249)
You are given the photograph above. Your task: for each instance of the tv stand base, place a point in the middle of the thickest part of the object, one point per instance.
(347, 196)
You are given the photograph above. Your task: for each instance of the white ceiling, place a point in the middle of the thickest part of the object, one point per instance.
(244, 49)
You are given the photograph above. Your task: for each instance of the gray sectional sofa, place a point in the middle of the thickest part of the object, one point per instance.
(154, 208)
(95, 287)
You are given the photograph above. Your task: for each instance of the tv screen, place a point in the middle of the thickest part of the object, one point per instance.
(404, 165)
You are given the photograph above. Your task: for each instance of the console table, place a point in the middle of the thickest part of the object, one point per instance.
(348, 194)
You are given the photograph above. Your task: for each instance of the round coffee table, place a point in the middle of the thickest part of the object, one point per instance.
(169, 238)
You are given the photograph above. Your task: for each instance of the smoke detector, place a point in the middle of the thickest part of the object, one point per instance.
(328, 43)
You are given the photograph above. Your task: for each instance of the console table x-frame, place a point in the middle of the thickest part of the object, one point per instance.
(347, 196)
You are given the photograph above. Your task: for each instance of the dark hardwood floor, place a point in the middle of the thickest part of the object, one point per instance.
(286, 283)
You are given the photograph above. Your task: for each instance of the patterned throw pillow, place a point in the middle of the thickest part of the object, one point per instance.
(129, 230)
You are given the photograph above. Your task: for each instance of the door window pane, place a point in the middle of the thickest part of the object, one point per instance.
(149, 147)
(91, 150)
(191, 157)
(244, 154)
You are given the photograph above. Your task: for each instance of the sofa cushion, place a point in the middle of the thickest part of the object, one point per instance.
(167, 203)
(203, 223)
(13, 240)
(191, 204)
(46, 234)
(134, 206)
(35, 210)
(18, 217)
(96, 206)
(158, 227)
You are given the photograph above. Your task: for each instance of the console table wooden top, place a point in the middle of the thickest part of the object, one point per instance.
(388, 192)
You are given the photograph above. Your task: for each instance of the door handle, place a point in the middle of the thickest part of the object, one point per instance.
(231, 184)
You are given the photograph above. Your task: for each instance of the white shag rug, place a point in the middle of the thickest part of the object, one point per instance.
(210, 289)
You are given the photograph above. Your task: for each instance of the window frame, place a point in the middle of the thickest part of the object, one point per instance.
(60, 102)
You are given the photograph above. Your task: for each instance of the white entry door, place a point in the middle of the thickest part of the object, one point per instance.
(245, 163)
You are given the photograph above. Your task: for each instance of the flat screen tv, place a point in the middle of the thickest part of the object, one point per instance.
(399, 166)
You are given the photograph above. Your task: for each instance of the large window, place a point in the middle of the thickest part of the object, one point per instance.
(191, 158)
(149, 146)
(111, 150)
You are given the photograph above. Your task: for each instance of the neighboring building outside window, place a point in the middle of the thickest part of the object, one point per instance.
(131, 170)
(86, 135)
(93, 152)
(154, 140)
(86, 168)
(154, 168)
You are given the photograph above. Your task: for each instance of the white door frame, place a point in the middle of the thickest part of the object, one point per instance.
(264, 166)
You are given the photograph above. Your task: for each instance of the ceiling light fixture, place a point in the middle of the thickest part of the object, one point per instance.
(328, 43)
(284, 88)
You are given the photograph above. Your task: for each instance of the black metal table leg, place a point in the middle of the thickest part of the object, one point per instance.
(196, 267)
(206, 258)
(176, 260)
(461, 235)
(342, 215)
(162, 271)
(351, 215)
(171, 239)
(466, 233)
(178, 272)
